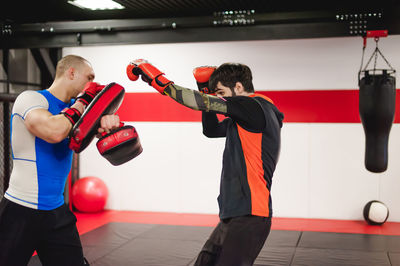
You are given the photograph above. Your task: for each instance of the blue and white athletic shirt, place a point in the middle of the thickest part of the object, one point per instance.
(40, 168)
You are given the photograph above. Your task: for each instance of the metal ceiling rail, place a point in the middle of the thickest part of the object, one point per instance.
(236, 17)
(223, 26)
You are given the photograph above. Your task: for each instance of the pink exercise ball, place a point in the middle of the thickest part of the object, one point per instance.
(89, 194)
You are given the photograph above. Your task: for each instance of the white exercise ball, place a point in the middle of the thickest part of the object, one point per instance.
(376, 212)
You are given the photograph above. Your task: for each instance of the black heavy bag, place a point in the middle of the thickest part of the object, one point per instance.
(377, 106)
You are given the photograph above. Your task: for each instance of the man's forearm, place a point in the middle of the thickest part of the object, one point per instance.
(51, 128)
(196, 100)
(212, 127)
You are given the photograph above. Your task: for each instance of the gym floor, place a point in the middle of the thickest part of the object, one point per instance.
(148, 238)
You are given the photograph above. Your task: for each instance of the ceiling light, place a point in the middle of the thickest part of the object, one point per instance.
(96, 4)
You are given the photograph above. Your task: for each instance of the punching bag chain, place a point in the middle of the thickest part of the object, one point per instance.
(375, 56)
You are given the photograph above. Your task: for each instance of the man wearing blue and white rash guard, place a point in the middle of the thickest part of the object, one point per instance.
(33, 215)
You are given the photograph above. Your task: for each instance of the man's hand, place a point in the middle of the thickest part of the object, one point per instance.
(149, 74)
(108, 123)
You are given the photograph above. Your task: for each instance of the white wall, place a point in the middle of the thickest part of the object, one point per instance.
(321, 171)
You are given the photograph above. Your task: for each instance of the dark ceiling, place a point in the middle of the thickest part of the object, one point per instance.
(56, 23)
(16, 11)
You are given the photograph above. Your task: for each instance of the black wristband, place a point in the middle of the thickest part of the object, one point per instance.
(85, 98)
(203, 87)
(72, 114)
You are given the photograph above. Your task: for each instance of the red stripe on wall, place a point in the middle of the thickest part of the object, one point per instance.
(154, 107)
(317, 106)
(322, 106)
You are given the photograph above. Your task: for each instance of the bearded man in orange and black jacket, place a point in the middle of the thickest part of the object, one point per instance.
(252, 129)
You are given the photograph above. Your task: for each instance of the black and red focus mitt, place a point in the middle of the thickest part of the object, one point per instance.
(106, 102)
(120, 145)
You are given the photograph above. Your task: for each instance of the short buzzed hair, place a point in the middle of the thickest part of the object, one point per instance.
(69, 61)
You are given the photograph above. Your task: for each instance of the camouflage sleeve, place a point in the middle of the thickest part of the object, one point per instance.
(196, 100)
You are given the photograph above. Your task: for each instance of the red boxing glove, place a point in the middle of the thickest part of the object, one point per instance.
(89, 92)
(202, 75)
(149, 74)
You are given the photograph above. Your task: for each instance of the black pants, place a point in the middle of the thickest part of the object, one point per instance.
(53, 234)
(235, 242)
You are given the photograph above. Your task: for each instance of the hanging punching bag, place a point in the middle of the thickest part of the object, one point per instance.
(377, 106)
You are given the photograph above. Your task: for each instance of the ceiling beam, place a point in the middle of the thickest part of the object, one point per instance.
(221, 27)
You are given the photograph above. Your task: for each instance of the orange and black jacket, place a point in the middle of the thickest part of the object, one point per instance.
(252, 130)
